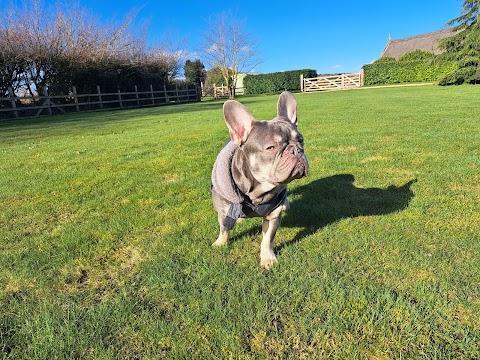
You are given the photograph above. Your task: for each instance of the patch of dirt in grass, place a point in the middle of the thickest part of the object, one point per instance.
(103, 275)
(170, 178)
(17, 289)
(417, 275)
(473, 188)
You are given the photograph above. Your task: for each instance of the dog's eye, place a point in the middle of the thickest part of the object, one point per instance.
(270, 148)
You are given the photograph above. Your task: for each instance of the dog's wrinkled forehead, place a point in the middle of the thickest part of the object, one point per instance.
(276, 131)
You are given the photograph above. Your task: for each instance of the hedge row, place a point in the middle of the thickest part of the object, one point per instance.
(275, 82)
(394, 72)
(110, 75)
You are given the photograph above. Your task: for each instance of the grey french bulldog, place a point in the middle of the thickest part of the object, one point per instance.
(251, 173)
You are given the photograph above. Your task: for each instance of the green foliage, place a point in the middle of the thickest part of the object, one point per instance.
(455, 77)
(194, 71)
(111, 75)
(416, 66)
(416, 55)
(468, 16)
(464, 49)
(275, 82)
(385, 60)
(214, 76)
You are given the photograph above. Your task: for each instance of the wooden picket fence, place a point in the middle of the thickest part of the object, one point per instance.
(15, 106)
(331, 82)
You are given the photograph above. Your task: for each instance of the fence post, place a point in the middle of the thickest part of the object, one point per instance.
(301, 82)
(153, 97)
(120, 98)
(166, 94)
(47, 102)
(136, 95)
(12, 101)
(100, 96)
(198, 95)
(75, 98)
(176, 93)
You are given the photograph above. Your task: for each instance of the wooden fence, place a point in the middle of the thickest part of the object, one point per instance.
(220, 91)
(331, 82)
(14, 106)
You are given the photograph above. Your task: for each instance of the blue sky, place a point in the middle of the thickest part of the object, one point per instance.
(328, 36)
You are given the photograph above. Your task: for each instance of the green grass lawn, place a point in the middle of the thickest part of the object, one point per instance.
(106, 224)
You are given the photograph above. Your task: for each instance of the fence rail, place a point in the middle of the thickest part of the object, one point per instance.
(14, 106)
(331, 82)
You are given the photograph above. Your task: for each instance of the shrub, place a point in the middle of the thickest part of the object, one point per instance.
(385, 60)
(460, 76)
(416, 55)
(275, 82)
(416, 66)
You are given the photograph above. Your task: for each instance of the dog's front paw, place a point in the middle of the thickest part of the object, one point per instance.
(222, 239)
(219, 243)
(267, 259)
(268, 263)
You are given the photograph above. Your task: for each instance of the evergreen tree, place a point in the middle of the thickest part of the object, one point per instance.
(464, 46)
(468, 16)
(194, 71)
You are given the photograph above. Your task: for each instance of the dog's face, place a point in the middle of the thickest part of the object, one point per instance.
(272, 150)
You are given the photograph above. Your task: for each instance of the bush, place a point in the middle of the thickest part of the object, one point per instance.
(275, 82)
(460, 76)
(416, 55)
(385, 60)
(416, 66)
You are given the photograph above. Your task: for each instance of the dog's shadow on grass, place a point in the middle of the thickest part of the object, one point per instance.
(331, 199)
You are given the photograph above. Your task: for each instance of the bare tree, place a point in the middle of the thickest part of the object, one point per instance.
(44, 45)
(10, 65)
(228, 47)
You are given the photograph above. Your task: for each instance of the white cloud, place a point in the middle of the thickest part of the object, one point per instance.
(336, 67)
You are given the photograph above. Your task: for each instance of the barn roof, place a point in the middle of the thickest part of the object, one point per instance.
(427, 42)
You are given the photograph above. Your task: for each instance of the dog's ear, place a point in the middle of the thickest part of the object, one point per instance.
(239, 121)
(287, 107)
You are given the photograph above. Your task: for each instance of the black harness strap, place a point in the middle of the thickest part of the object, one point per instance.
(247, 209)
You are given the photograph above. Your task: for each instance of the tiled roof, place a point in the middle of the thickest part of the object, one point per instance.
(427, 42)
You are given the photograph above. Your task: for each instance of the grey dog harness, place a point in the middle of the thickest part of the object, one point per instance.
(241, 206)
